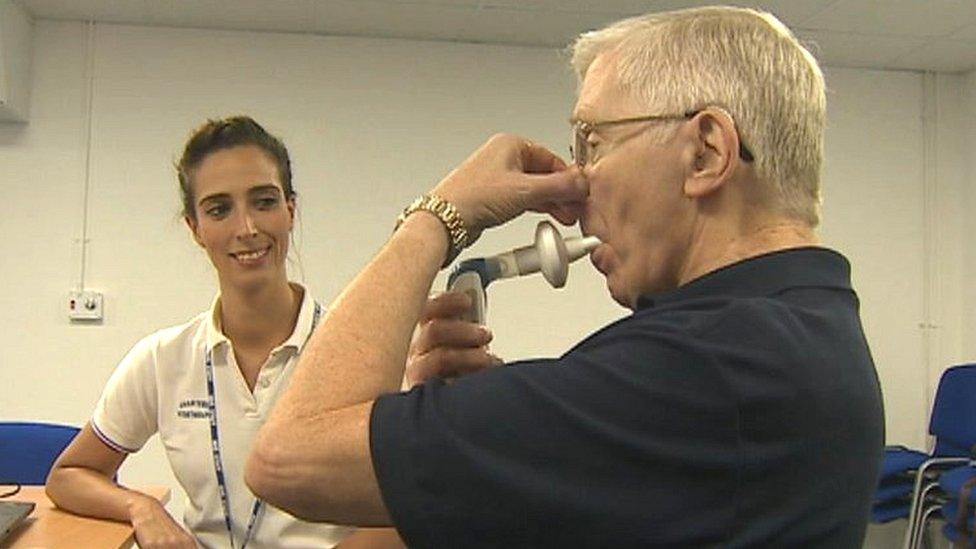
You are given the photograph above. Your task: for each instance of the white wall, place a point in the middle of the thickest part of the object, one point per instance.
(967, 115)
(950, 181)
(371, 124)
(938, 227)
(872, 198)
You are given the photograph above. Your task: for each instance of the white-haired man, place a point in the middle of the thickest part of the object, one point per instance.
(737, 406)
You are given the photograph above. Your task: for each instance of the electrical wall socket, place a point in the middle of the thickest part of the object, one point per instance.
(85, 305)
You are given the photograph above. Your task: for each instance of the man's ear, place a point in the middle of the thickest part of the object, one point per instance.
(716, 146)
(192, 225)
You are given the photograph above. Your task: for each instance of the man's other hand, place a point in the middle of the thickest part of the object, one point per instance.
(446, 346)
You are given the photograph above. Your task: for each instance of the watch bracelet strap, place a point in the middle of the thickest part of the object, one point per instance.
(457, 233)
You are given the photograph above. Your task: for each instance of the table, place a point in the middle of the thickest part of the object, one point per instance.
(53, 528)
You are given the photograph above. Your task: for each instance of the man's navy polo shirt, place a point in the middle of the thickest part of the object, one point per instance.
(741, 409)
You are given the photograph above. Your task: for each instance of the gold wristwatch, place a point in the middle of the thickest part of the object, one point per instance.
(457, 234)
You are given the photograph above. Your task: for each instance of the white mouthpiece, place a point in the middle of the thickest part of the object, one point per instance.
(550, 253)
(578, 246)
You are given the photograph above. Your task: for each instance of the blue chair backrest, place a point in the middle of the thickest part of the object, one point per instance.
(28, 450)
(953, 422)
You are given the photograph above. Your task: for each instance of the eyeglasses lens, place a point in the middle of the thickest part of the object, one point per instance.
(580, 146)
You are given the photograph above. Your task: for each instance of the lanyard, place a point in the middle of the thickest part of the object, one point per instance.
(215, 446)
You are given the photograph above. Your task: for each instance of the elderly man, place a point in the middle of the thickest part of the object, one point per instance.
(737, 406)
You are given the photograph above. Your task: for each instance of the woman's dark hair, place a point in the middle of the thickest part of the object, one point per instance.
(216, 135)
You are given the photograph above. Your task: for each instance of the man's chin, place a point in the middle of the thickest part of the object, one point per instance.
(619, 295)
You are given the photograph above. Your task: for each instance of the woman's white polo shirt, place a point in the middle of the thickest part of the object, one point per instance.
(160, 386)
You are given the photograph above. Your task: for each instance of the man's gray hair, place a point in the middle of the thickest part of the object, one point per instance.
(745, 61)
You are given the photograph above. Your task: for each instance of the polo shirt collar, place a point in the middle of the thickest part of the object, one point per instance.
(306, 318)
(303, 328)
(214, 335)
(763, 275)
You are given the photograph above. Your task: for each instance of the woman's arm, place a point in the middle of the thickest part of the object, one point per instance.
(81, 482)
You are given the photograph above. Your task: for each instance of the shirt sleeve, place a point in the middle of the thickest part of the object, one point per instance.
(126, 414)
(591, 449)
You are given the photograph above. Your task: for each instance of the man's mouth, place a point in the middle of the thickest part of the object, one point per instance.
(597, 258)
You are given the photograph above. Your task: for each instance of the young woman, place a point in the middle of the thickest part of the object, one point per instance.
(207, 386)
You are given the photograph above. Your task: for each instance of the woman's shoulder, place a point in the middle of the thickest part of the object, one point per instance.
(180, 334)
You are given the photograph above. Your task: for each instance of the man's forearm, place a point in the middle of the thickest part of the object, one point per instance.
(312, 456)
(360, 350)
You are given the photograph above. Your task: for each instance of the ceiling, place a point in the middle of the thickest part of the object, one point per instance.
(930, 35)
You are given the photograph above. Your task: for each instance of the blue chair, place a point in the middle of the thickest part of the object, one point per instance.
(896, 480)
(28, 450)
(907, 485)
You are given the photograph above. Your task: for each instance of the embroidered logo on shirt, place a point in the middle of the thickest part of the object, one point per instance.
(193, 408)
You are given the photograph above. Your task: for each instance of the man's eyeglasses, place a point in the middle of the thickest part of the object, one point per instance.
(581, 150)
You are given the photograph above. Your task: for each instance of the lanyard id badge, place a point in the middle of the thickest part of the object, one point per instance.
(258, 506)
